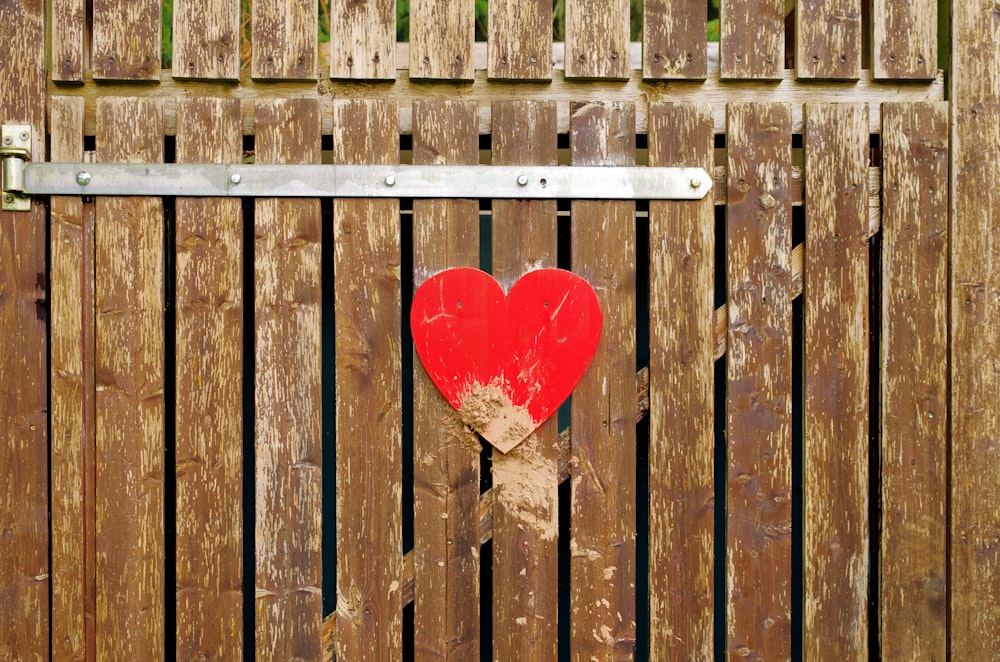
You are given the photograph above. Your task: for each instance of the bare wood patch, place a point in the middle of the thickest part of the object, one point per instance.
(441, 36)
(597, 39)
(206, 39)
(520, 40)
(905, 39)
(363, 40)
(752, 39)
(126, 39)
(673, 39)
(285, 41)
(828, 39)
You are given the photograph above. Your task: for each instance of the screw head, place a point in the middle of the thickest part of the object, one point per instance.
(24, 135)
(8, 198)
(695, 182)
(8, 140)
(83, 178)
(235, 178)
(390, 180)
(522, 180)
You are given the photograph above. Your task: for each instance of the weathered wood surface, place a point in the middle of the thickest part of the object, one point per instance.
(828, 39)
(602, 547)
(597, 39)
(673, 39)
(975, 343)
(68, 20)
(287, 312)
(758, 402)
(208, 386)
(363, 39)
(71, 245)
(682, 405)
(206, 39)
(836, 365)
(441, 36)
(914, 375)
(525, 480)
(126, 40)
(129, 381)
(752, 40)
(446, 453)
(285, 40)
(905, 43)
(369, 392)
(520, 40)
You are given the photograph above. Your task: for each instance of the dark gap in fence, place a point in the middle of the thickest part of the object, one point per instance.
(866, 35)
(642, 244)
(485, 142)
(874, 442)
(641, 141)
(719, 465)
(486, 207)
(790, 40)
(406, 295)
(48, 403)
(562, 141)
(565, 509)
(798, 453)
(249, 416)
(405, 142)
(328, 376)
(486, 457)
(720, 141)
(169, 417)
(486, 600)
(89, 143)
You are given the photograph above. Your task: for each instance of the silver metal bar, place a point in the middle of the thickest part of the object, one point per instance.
(369, 181)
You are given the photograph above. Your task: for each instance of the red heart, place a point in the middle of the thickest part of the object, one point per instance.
(505, 363)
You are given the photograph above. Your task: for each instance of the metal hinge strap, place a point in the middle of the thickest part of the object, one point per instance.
(15, 152)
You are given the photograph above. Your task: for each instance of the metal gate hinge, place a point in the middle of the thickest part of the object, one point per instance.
(15, 152)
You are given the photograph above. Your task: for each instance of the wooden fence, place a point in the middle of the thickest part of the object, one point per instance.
(215, 442)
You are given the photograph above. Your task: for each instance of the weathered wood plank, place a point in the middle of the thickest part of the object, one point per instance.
(446, 453)
(369, 393)
(975, 344)
(206, 39)
(363, 39)
(525, 480)
(520, 40)
(287, 311)
(597, 39)
(759, 363)
(129, 381)
(602, 547)
(441, 36)
(126, 40)
(285, 40)
(682, 406)
(673, 39)
(752, 39)
(68, 21)
(836, 365)
(905, 39)
(914, 370)
(828, 37)
(209, 415)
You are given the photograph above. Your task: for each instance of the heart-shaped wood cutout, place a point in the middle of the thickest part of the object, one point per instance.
(505, 363)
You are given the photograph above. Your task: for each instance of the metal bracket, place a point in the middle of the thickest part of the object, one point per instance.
(15, 152)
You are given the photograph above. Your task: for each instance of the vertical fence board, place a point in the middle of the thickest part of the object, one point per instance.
(525, 480)
(441, 36)
(752, 39)
(206, 39)
(209, 367)
(828, 39)
(905, 39)
(363, 39)
(758, 401)
(673, 39)
(602, 547)
(369, 393)
(287, 311)
(68, 18)
(597, 39)
(975, 342)
(914, 367)
(836, 382)
(285, 39)
(126, 40)
(520, 34)
(129, 382)
(446, 453)
(681, 394)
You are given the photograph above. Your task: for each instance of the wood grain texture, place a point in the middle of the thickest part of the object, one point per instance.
(129, 381)
(68, 24)
(206, 39)
(71, 292)
(525, 480)
(287, 312)
(597, 39)
(369, 393)
(520, 40)
(752, 39)
(758, 399)
(828, 38)
(446, 453)
(363, 39)
(682, 407)
(209, 394)
(441, 36)
(914, 373)
(602, 547)
(836, 408)
(126, 40)
(905, 43)
(673, 43)
(284, 39)
(975, 344)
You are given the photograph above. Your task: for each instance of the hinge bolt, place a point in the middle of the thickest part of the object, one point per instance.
(695, 182)
(235, 178)
(522, 180)
(390, 180)
(83, 178)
